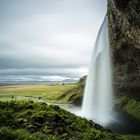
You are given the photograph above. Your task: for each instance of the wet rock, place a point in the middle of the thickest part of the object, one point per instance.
(56, 107)
(124, 33)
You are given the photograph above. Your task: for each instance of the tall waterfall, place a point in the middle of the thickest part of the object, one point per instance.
(98, 95)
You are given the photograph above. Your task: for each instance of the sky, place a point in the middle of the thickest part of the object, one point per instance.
(48, 39)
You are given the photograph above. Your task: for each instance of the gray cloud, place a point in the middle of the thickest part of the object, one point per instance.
(52, 35)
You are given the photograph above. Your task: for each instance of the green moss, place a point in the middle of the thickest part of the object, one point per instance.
(75, 94)
(6, 133)
(47, 122)
(129, 105)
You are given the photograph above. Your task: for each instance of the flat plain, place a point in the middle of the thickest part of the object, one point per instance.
(43, 91)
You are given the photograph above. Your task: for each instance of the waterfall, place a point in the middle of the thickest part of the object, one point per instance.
(98, 96)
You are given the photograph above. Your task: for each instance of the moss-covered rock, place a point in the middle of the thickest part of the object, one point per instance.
(44, 122)
(49, 121)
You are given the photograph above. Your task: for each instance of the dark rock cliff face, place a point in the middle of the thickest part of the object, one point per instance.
(124, 32)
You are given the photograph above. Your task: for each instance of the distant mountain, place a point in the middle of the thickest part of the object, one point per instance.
(70, 81)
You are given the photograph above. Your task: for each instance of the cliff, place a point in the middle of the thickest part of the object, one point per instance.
(124, 32)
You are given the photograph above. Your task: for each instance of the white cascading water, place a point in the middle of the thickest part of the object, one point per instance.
(98, 96)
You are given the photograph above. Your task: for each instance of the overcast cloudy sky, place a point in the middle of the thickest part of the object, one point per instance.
(48, 39)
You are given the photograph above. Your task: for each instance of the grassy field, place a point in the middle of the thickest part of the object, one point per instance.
(47, 92)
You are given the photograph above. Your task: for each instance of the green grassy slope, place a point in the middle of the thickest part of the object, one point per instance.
(38, 121)
(129, 105)
(75, 94)
(47, 92)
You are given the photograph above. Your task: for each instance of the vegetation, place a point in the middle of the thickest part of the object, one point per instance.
(129, 105)
(75, 94)
(38, 121)
(22, 119)
(47, 92)
(67, 93)
(7, 133)
(46, 120)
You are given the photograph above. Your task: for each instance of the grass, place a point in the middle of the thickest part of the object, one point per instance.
(129, 105)
(21, 120)
(30, 117)
(47, 92)
(75, 94)
(64, 94)
(7, 133)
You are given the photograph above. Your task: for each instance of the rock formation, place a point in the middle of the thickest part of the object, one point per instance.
(124, 32)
